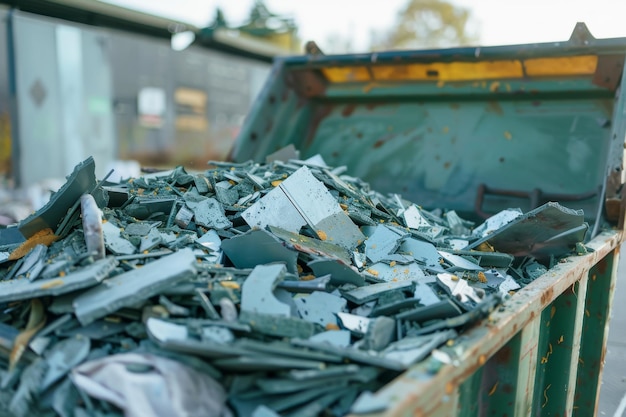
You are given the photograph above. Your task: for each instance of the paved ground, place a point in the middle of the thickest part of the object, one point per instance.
(613, 391)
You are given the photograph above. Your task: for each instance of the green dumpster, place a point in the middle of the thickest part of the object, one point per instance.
(478, 130)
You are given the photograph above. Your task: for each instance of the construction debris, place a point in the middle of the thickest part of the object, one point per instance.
(247, 289)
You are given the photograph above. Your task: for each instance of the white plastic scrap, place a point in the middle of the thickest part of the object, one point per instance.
(162, 388)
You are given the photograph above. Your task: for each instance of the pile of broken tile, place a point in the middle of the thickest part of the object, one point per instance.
(285, 288)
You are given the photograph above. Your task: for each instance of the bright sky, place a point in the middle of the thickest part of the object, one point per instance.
(500, 21)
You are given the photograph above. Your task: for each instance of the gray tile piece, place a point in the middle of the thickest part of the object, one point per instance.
(442, 310)
(367, 293)
(496, 222)
(509, 284)
(279, 326)
(306, 287)
(413, 349)
(384, 241)
(339, 338)
(320, 307)
(549, 230)
(210, 213)
(140, 228)
(425, 294)
(356, 324)
(459, 263)
(339, 272)
(152, 240)
(136, 285)
(64, 356)
(81, 180)
(460, 289)
(217, 334)
(397, 272)
(311, 246)
(22, 289)
(380, 332)
(423, 252)
(33, 263)
(184, 217)
(302, 199)
(258, 247)
(210, 240)
(257, 295)
(284, 349)
(415, 219)
(114, 242)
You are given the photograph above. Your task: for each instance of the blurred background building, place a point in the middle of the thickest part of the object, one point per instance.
(81, 78)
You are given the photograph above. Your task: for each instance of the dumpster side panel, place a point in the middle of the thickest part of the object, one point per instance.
(600, 287)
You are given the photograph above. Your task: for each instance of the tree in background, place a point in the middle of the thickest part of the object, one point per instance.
(428, 24)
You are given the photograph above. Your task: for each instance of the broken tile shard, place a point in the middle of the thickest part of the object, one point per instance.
(135, 285)
(258, 247)
(549, 230)
(303, 200)
(210, 213)
(320, 307)
(14, 290)
(257, 294)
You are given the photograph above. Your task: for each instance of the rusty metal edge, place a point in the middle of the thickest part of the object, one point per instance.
(418, 392)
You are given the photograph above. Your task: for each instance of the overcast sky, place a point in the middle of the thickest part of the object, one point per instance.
(500, 21)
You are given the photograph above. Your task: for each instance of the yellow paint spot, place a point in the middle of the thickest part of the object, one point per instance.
(560, 340)
(373, 272)
(587, 313)
(343, 206)
(552, 311)
(62, 273)
(454, 278)
(450, 342)
(52, 284)
(43, 237)
(544, 360)
(481, 360)
(332, 326)
(493, 390)
(230, 284)
(445, 129)
(307, 277)
(593, 277)
(545, 395)
(508, 135)
(494, 86)
(276, 183)
(486, 247)
(322, 235)
(449, 388)
(481, 277)
(392, 264)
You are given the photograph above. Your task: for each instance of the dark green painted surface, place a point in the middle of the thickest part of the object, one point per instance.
(491, 390)
(554, 354)
(597, 309)
(437, 142)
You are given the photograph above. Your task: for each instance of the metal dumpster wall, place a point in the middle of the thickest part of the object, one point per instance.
(540, 354)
